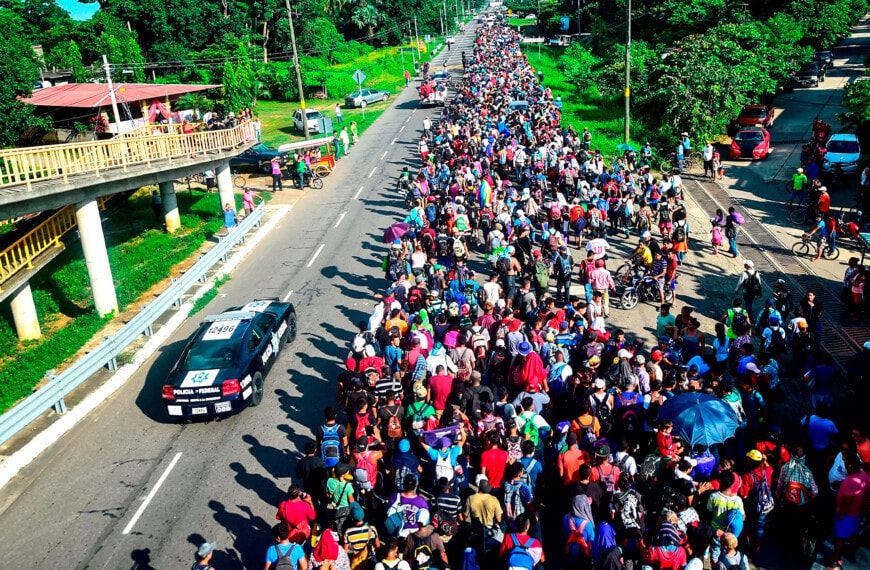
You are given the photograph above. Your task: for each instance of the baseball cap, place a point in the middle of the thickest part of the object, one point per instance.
(656, 354)
(800, 170)
(687, 462)
(484, 486)
(599, 384)
(640, 360)
(603, 451)
(867, 345)
(205, 549)
(780, 282)
(599, 263)
(748, 263)
(594, 361)
(802, 324)
(563, 325)
(420, 391)
(363, 443)
(755, 455)
(751, 367)
(423, 517)
(404, 446)
(623, 353)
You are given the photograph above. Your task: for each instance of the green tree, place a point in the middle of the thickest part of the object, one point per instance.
(19, 68)
(577, 63)
(366, 16)
(857, 97)
(66, 55)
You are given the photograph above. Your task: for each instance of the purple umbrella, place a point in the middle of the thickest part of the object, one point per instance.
(395, 232)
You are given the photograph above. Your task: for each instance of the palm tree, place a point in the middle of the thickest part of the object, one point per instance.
(366, 16)
(333, 6)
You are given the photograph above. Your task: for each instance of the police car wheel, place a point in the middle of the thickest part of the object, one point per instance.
(257, 386)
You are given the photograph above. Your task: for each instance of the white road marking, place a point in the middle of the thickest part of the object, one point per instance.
(151, 495)
(287, 296)
(408, 119)
(358, 192)
(414, 111)
(372, 173)
(340, 218)
(402, 129)
(392, 143)
(385, 153)
(316, 253)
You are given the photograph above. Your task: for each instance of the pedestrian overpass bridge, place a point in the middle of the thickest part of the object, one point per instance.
(75, 179)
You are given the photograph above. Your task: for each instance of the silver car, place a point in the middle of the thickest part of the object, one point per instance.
(362, 97)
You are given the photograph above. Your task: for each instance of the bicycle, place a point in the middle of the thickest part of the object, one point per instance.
(197, 178)
(238, 179)
(670, 164)
(312, 180)
(809, 248)
(801, 214)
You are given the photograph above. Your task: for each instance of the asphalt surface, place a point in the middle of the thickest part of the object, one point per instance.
(82, 501)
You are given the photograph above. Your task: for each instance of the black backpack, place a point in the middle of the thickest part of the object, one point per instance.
(679, 233)
(443, 246)
(752, 285)
(503, 265)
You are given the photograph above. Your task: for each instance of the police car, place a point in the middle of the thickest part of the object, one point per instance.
(222, 368)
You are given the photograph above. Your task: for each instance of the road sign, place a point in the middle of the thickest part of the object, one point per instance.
(359, 77)
(532, 40)
(427, 38)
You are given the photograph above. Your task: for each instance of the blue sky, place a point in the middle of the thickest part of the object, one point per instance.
(78, 10)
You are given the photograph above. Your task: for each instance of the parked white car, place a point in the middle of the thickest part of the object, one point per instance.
(843, 149)
(314, 117)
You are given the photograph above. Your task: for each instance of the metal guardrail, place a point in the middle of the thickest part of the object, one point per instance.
(52, 394)
(25, 166)
(21, 254)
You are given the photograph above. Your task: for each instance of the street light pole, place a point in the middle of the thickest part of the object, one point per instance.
(298, 72)
(627, 68)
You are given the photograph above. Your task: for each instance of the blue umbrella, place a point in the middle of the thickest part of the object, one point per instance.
(625, 146)
(700, 418)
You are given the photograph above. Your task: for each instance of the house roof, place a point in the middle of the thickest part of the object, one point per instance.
(91, 95)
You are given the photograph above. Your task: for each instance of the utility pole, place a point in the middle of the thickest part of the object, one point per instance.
(627, 68)
(416, 38)
(112, 95)
(298, 72)
(441, 18)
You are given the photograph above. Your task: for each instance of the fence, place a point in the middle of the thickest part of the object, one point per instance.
(24, 166)
(54, 392)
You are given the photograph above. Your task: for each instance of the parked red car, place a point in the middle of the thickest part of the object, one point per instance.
(750, 142)
(753, 115)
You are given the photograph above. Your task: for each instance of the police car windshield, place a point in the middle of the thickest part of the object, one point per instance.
(211, 355)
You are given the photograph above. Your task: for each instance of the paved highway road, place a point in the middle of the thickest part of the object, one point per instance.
(89, 500)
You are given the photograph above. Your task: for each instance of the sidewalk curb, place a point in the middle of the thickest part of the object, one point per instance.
(43, 440)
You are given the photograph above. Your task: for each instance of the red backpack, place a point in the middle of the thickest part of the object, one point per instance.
(577, 548)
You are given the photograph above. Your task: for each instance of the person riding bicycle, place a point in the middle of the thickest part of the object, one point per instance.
(827, 228)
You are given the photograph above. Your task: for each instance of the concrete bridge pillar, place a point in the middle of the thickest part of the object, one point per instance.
(24, 314)
(225, 185)
(96, 257)
(170, 206)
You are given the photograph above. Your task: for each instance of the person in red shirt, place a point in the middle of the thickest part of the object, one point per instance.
(522, 538)
(493, 460)
(440, 386)
(862, 443)
(851, 506)
(571, 460)
(604, 473)
(824, 203)
(665, 440)
(298, 512)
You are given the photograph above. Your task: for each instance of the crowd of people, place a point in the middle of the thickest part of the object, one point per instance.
(504, 423)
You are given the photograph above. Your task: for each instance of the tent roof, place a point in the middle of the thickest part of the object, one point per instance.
(90, 95)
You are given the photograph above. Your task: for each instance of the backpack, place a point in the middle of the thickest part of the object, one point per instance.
(762, 495)
(423, 554)
(752, 286)
(630, 510)
(330, 446)
(428, 243)
(777, 341)
(564, 265)
(526, 477)
(679, 233)
(443, 247)
(514, 448)
(485, 222)
(730, 231)
(458, 250)
(469, 290)
(594, 220)
(444, 467)
(479, 346)
(530, 429)
(419, 416)
(628, 418)
(587, 436)
(463, 371)
(513, 502)
(603, 413)
(649, 469)
(431, 212)
(607, 480)
(284, 561)
(394, 426)
(542, 275)
(415, 299)
(395, 268)
(577, 547)
(738, 318)
(519, 558)
(503, 265)
(445, 525)
(795, 494)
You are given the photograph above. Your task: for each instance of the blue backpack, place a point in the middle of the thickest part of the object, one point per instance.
(519, 557)
(330, 446)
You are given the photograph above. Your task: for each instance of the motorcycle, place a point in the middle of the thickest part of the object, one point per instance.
(643, 289)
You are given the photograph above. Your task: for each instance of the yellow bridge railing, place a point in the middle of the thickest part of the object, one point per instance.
(25, 166)
(21, 254)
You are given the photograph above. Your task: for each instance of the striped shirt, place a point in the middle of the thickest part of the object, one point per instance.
(358, 537)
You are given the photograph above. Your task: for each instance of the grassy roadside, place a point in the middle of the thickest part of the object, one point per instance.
(141, 255)
(602, 115)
